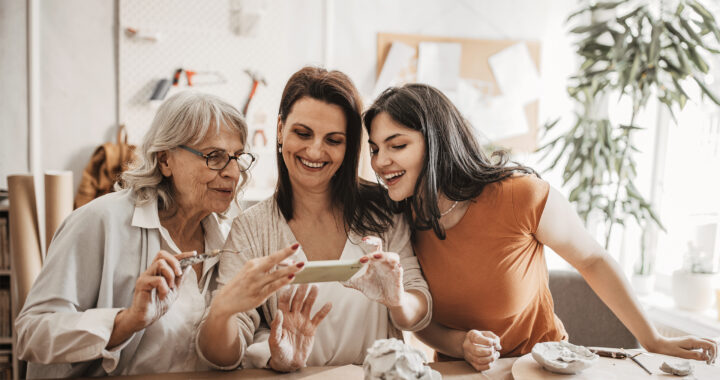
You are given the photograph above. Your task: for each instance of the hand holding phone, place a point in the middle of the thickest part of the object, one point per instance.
(327, 271)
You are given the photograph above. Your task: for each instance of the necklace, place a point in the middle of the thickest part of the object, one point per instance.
(448, 210)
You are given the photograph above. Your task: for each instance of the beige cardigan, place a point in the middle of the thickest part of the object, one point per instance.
(262, 230)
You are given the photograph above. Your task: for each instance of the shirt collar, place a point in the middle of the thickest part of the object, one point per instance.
(215, 225)
(146, 215)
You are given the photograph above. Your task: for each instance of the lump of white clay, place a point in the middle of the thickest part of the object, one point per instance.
(563, 357)
(681, 368)
(373, 240)
(391, 359)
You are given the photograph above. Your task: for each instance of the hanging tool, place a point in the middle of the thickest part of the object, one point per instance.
(208, 77)
(256, 79)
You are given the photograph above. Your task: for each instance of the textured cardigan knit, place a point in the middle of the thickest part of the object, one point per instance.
(262, 230)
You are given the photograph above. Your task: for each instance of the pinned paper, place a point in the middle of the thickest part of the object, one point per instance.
(499, 117)
(469, 93)
(399, 68)
(439, 64)
(516, 74)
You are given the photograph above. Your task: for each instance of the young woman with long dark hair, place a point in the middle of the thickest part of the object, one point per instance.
(479, 228)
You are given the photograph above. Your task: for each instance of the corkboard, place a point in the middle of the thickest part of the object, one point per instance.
(474, 65)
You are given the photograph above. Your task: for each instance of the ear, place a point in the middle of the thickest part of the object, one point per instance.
(279, 129)
(164, 165)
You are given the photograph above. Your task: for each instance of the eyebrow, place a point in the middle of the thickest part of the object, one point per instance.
(388, 138)
(306, 127)
(215, 149)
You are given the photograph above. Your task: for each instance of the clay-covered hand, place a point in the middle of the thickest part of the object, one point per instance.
(686, 347)
(481, 349)
(292, 332)
(382, 280)
(156, 289)
(256, 281)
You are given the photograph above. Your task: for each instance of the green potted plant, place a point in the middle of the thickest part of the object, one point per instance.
(631, 51)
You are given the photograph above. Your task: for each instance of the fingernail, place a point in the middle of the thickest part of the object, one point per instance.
(377, 255)
(300, 265)
(364, 259)
(291, 276)
(295, 246)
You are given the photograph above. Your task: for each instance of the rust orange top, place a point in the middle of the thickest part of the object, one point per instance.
(490, 272)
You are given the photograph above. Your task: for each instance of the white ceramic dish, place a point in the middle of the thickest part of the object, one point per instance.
(563, 357)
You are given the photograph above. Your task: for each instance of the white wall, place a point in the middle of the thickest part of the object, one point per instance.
(13, 93)
(77, 74)
(78, 67)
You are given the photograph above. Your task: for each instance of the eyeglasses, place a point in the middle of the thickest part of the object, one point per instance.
(219, 159)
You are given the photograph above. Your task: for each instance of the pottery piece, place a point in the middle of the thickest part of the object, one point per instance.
(681, 368)
(563, 357)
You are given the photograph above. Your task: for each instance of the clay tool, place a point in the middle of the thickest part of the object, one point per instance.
(192, 260)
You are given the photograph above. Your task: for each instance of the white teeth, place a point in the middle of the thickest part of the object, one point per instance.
(312, 164)
(393, 175)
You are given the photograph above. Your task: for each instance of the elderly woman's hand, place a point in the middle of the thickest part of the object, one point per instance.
(481, 349)
(255, 282)
(383, 280)
(156, 289)
(292, 332)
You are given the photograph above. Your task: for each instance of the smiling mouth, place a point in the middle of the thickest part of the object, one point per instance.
(312, 165)
(392, 178)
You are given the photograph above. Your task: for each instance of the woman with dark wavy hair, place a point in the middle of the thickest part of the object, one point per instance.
(322, 204)
(480, 225)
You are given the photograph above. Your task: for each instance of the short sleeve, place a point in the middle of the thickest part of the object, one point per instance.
(529, 195)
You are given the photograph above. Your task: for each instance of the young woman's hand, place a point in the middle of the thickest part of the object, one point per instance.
(292, 332)
(686, 347)
(255, 282)
(382, 281)
(481, 349)
(156, 289)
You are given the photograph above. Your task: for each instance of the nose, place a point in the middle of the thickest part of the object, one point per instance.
(232, 170)
(315, 150)
(381, 158)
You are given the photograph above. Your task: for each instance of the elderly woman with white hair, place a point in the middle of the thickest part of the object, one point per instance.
(112, 297)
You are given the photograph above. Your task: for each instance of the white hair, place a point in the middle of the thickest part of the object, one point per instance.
(183, 119)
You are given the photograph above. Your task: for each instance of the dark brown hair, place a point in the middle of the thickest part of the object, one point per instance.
(365, 208)
(455, 165)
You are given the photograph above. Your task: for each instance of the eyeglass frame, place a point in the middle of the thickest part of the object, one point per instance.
(230, 158)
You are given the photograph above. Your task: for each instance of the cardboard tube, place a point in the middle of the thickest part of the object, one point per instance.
(24, 237)
(58, 201)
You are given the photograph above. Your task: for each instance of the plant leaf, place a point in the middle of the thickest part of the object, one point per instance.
(707, 91)
(704, 13)
(697, 60)
(688, 28)
(588, 28)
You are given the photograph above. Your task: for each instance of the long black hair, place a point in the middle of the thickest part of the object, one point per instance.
(455, 165)
(365, 207)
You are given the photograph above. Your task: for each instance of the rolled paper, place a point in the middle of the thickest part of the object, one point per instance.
(26, 259)
(58, 201)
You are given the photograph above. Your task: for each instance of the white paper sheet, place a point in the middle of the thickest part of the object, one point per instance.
(469, 93)
(399, 67)
(516, 74)
(439, 64)
(498, 117)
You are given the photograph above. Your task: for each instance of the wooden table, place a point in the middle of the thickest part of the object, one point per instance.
(523, 368)
(449, 370)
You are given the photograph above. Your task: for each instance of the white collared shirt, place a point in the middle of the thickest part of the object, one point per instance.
(88, 276)
(174, 333)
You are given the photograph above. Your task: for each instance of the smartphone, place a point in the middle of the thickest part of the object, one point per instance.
(327, 271)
